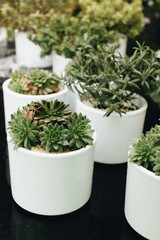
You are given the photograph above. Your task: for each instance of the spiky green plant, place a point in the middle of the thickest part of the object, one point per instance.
(23, 130)
(110, 81)
(50, 126)
(54, 138)
(80, 132)
(146, 151)
(35, 82)
(47, 112)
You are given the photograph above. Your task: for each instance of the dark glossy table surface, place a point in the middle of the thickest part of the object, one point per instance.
(100, 219)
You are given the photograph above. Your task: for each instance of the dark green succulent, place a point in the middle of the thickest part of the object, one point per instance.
(46, 111)
(35, 82)
(54, 138)
(50, 125)
(24, 131)
(80, 132)
(146, 151)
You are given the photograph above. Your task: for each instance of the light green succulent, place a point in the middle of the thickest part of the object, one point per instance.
(80, 132)
(23, 130)
(146, 151)
(35, 82)
(54, 138)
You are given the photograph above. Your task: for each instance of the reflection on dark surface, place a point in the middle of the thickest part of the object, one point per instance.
(102, 218)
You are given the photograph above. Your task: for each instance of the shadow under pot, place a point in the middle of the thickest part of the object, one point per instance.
(13, 100)
(142, 201)
(51, 183)
(28, 53)
(114, 133)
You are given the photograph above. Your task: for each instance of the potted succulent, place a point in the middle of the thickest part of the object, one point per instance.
(108, 85)
(124, 17)
(51, 158)
(143, 185)
(25, 17)
(37, 84)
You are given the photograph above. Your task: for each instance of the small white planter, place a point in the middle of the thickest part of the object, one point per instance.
(51, 184)
(59, 64)
(142, 201)
(3, 34)
(13, 100)
(114, 133)
(122, 41)
(28, 53)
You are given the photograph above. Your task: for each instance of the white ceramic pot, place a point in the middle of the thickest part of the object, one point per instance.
(142, 201)
(114, 133)
(59, 64)
(28, 53)
(122, 41)
(51, 184)
(3, 34)
(13, 100)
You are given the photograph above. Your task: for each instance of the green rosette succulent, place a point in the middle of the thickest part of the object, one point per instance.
(23, 130)
(19, 83)
(146, 151)
(42, 82)
(35, 82)
(80, 132)
(54, 138)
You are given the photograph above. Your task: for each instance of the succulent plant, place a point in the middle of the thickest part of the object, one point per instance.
(54, 138)
(35, 82)
(47, 112)
(80, 132)
(51, 126)
(23, 131)
(146, 151)
(19, 83)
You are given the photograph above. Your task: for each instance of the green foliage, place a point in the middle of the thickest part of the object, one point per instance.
(80, 132)
(35, 82)
(65, 35)
(110, 81)
(30, 15)
(146, 151)
(122, 16)
(23, 131)
(50, 125)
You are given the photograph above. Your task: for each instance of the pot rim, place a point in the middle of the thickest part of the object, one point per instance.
(36, 97)
(144, 171)
(56, 155)
(114, 114)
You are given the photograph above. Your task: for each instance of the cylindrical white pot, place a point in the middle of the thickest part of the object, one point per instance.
(3, 34)
(59, 64)
(51, 184)
(142, 201)
(28, 53)
(122, 41)
(114, 133)
(13, 100)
